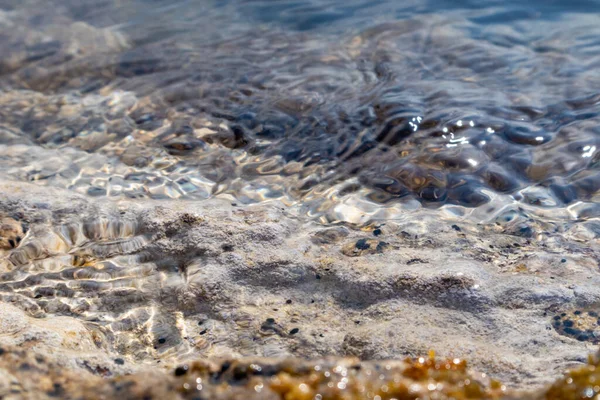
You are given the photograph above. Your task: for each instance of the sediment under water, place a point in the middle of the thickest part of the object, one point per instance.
(464, 107)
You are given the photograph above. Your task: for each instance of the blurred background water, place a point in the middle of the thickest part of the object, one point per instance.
(345, 108)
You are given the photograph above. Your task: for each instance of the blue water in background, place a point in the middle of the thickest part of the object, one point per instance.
(323, 14)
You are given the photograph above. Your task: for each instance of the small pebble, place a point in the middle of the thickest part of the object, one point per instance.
(572, 331)
(179, 371)
(362, 244)
(294, 331)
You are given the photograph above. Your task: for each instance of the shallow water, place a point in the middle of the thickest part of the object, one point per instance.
(354, 111)
(369, 105)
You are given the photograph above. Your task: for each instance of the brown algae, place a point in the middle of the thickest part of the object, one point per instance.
(283, 379)
(341, 379)
(579, 383)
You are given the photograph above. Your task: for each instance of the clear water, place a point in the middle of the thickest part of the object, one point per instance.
(323, 104)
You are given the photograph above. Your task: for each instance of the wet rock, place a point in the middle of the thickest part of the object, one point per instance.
(142, 280)
(363, 247)
(330, 236)
(11, 233)
(580, 324)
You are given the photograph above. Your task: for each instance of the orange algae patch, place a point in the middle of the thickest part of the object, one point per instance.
(339, 379)
(289, 379)
(418, 378)
(579, 383)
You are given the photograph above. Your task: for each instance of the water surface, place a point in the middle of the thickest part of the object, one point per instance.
(330, 105)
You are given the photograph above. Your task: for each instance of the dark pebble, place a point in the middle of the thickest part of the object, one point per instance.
(240, 373)
(294, 331)
(525, 231)
(288, 302)
(119, 361)
(362, 244)
(203, 332)
(227, 247)
(377, 232)
(572, 331)
(381, 246)
(564, 260)
(457, 228)
(162, 340)
(583, 337)
(225, 366)
(577, 312)
(318, 276)
(271, 320)
(556, 318)
(593, 314)
(568, 323)
(179, 371)
(219, 374)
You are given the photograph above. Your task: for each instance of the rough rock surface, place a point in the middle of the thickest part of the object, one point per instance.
(119, 280)
(155, 284)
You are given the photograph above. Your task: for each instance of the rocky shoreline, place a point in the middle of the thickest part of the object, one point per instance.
(259, 213)
(92, 289)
